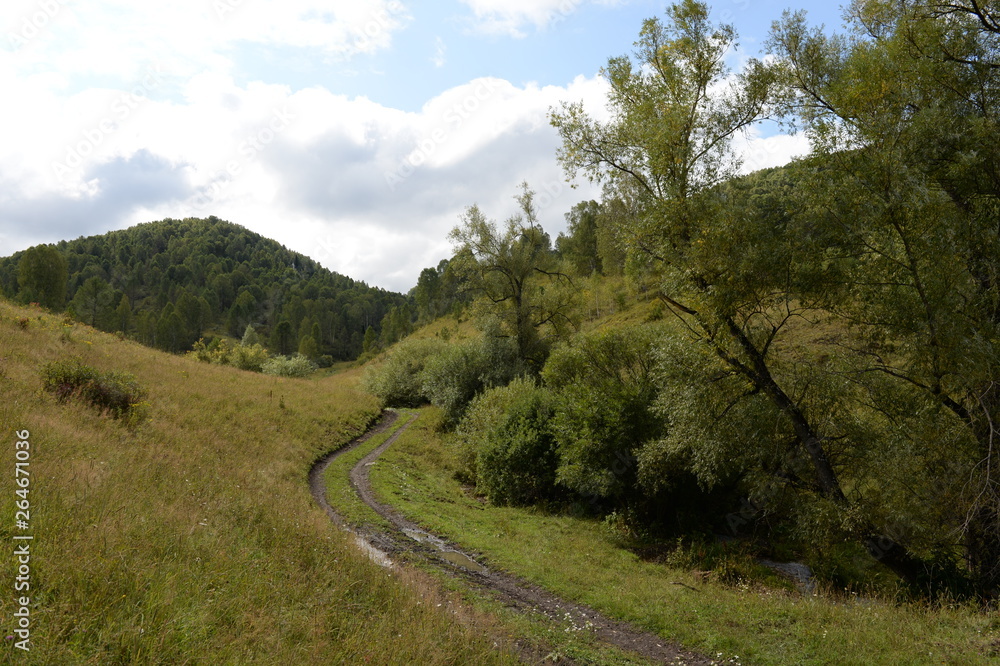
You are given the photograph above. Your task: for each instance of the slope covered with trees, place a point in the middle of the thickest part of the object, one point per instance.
(169, 283)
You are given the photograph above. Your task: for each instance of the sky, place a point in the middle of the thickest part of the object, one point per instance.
(355, 132)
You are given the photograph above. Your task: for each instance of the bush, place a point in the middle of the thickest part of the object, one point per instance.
(454, 376)
(115, 393)
(398, 379)
(288, 366)
(217, 351)
(245, 357)
(506, 431)
(253, 358)
(605, 410)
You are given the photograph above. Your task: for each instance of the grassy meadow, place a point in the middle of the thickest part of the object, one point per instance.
(745, 622)
(192, 538)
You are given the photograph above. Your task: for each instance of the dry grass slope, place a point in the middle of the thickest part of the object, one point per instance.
(192, 538)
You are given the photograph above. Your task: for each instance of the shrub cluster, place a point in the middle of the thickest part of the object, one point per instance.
(446, 375)
(398, 380)
(296, 365)
(577, 431)
(507, 437)
(243, 356)
(114, 393)
(583, 431)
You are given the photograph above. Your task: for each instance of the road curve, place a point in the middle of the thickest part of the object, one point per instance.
(513, 591)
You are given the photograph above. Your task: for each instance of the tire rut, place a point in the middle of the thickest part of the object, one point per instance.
(513, 591)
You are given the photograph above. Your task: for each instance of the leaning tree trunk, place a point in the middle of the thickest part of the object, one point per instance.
(884, 548)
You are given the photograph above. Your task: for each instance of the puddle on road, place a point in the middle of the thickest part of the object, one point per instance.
(377, 556)
(461, 560)
(452, 556)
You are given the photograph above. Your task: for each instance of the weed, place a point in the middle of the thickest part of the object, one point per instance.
(116, 393)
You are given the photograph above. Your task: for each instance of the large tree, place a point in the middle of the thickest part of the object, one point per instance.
(42, 273)
(517, 275)
(93, 302)
(737, 268)
(905, 111)
(579, 244)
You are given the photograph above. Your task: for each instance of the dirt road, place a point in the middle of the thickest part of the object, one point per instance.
(512, 591)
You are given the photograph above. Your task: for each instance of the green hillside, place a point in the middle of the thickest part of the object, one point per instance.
(190, 536)
(168, 283)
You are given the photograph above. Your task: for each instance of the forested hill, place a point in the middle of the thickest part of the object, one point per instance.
(171, 282)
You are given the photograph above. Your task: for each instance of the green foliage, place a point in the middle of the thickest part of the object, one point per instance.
(252, 358)
(92, 302)
(221, 352)
(243, 312)
(124, 321)
(579, 244)
(438, 292)
(507, 429)
(42, 273)
(114, 393)
(281, 337)
(396, 325)
(369, 340)
(605, 392)
(171, 335)
(903, 117)
(288, 366)
(250, 337)
(517, 276)
(397, 380)
(718, 426)
(453, 376)
(216, 275)
(216, 352)
(308, 347)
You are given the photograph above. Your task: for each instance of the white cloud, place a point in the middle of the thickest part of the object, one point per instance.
(511, 16)
(118, 113)
(760, 152)
(440, 53)
(306, 167)
(117, 37)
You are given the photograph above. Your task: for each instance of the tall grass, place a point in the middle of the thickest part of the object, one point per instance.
(192, 538)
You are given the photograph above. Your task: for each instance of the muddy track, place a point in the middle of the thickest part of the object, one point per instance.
(512, 591)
